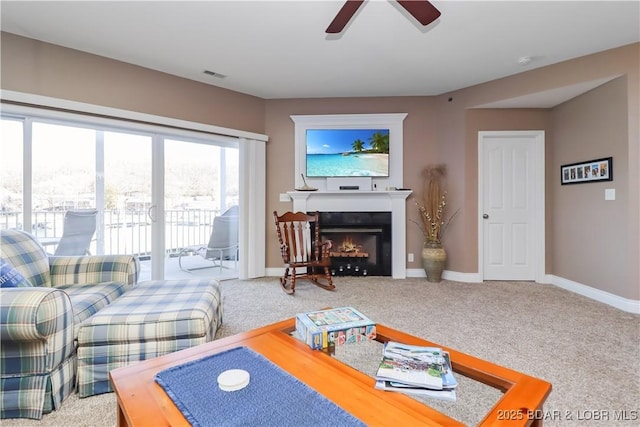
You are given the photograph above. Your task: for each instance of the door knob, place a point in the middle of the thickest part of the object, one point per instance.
(485, 216)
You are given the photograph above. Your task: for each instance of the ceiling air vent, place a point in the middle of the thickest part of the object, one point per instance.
(214, 74)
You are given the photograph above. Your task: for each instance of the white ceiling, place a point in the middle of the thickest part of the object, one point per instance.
(279, 49)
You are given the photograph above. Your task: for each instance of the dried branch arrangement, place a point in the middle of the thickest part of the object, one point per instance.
(433, 204)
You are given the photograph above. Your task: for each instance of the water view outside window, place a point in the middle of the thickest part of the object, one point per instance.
(78, 167)
(64, 175)
(127, 194)
(201, 181)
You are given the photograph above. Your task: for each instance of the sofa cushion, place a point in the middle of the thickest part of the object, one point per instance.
(26, 255)
(10, 277)
(171, 310)
(89, 299)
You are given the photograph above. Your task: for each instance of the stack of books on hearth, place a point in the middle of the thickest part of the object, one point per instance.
(416, 370)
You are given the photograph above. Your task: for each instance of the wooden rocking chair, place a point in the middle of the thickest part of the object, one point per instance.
(302, 250)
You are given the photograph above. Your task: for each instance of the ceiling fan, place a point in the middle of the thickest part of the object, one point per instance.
(422, 10)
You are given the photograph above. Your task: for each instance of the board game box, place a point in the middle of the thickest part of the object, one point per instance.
(336, 326)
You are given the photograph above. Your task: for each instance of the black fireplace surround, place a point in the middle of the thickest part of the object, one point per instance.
(361, 242)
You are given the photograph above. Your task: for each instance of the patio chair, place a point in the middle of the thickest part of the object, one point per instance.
(302, 251)
(79, 228)
(223, 243)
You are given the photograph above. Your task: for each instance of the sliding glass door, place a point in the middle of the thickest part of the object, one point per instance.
(156, 194)
(125, 195)
(63, 178)
(200, 183)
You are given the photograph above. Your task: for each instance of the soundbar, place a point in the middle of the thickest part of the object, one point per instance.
(349, 187)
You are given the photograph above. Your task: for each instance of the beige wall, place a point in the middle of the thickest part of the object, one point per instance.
(436, 130)
(44, 69)
(420, 149)
(444, 129)
(623, 278)
(586, 227)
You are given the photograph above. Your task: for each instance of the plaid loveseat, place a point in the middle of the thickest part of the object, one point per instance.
(40, 318)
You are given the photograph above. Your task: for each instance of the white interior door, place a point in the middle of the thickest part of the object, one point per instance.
(511, 205)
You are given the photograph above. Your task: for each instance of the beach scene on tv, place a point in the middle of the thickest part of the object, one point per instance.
(347, 152)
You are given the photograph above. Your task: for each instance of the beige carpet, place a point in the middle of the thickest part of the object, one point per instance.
(589, 351)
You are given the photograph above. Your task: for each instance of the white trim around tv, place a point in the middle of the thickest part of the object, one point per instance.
(391, 121)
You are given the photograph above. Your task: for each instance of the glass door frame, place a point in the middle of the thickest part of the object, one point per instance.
(156, 211)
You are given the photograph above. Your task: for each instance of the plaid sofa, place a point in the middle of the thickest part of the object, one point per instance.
(39, 321)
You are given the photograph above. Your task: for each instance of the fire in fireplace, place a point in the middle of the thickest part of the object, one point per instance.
(361, 242)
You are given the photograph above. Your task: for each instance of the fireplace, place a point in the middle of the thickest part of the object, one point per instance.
(347, 201)
(361, 242)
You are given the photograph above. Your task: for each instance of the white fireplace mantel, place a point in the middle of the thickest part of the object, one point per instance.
(364, 201)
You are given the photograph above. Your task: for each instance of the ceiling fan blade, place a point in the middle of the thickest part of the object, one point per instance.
(344, 15)
(423, 11)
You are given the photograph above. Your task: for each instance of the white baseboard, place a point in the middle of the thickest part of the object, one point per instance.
(274, 272)
(448, 275)
(411, 272)
(621, 303)
(625, 304)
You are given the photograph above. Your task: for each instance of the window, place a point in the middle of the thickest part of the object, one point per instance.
(247, 147)
(76, 164)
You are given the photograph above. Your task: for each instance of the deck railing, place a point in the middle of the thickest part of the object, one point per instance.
(124, 232)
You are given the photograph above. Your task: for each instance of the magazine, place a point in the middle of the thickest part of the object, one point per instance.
(445, 394)
(411, 365)
(449, 382)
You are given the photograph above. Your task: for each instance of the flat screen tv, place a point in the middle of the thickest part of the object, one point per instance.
(347, 152)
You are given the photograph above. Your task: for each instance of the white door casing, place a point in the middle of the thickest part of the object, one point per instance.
(511, 205)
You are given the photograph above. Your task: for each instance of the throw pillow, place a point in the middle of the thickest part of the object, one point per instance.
(10, 277)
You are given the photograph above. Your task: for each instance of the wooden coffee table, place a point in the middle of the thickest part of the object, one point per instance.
(142, 402)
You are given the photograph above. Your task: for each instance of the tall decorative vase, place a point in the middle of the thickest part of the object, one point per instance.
(433, 260)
